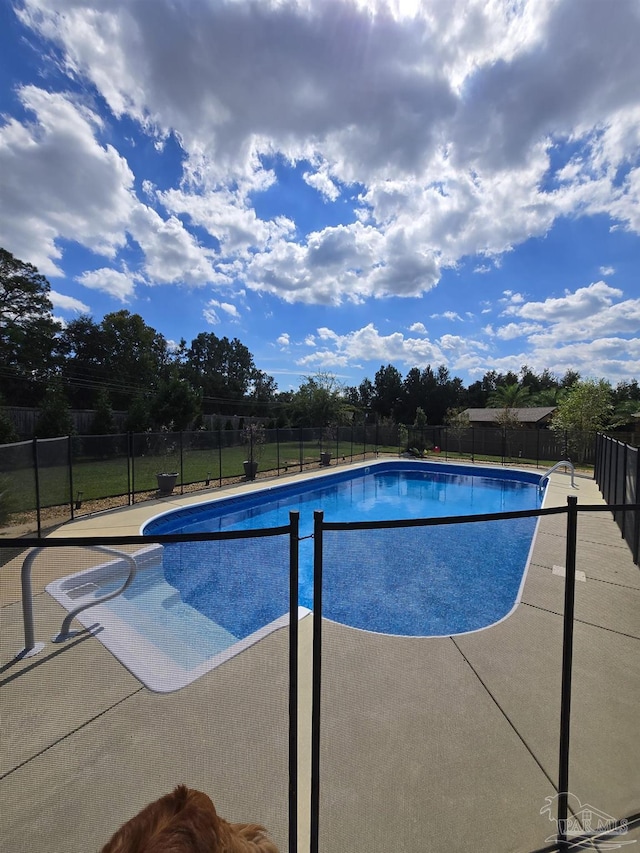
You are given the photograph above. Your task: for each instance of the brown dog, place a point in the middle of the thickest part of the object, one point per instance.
(186, 821)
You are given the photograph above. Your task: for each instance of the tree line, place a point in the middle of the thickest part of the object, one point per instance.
(122, 363)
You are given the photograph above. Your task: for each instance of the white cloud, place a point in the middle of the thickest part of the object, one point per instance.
(367, 344)
(210, 314)
(230, 309)
(68, 303)
(447, 315)
(592, 329)
(342, 263)
(516, 330)
(613, 357)
(117, 284)
(512, 298)
(228, 217)
(227, 307)
(447, 119)
(283, 340)
(172, 255)
(82, 189)
(321, 181)
(584, 302)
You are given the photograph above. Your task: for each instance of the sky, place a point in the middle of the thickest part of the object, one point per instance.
(339, 184)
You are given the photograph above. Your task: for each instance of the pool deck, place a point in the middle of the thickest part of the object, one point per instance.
(441, 744)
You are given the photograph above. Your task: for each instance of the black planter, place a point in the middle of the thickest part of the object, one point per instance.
(250, 469)
(325, 459)
(166, 483)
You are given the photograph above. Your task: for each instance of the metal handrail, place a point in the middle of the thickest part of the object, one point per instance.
(30, 646)
(555, 467)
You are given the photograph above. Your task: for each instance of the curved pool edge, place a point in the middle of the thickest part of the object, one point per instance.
(308, 482)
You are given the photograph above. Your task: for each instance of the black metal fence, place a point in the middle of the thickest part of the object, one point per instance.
(357, 718)
(378, 735)
(261, 576)
(617, 473)
(44, 482)
(531, 446)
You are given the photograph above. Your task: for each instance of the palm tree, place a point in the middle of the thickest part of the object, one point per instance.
(508, 397)
(549, 397)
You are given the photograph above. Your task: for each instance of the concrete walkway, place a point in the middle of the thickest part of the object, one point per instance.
(447, 744)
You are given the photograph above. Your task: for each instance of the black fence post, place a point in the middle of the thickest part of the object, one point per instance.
(130, 497)
(180, 444)
(70, 462)
(36, 474)
(624, 489)
(473, 445)
(300, 448)
(278, 450)
(567, 661)
(219, 455)
(614, 473)
(133, 467)
(610, 472)
(318, 516)
(636, 526)
(294, 539)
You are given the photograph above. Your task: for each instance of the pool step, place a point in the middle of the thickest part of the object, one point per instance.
(176, 628)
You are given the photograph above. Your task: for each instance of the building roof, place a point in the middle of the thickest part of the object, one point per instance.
(532, 415)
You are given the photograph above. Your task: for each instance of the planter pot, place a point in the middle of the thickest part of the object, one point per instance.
(250, 469)
(325, 459)
(166, 483)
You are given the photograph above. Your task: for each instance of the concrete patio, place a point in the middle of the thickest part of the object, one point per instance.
(427, 744)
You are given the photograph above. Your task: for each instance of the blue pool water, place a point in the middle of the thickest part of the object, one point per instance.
(422, 581)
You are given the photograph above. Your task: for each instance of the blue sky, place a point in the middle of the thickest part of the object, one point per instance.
(340, 185)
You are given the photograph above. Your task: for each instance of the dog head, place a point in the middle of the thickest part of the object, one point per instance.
(186, 821)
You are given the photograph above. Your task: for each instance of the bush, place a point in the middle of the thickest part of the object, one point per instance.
(55, 414)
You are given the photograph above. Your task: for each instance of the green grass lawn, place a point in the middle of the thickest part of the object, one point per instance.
(104, 478)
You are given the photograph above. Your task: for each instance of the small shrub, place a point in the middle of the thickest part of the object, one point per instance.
(254, 436)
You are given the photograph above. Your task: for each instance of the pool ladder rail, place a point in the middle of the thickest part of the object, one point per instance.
(32, 648)
(564, 464)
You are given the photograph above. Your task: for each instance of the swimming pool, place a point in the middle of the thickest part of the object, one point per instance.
(427, 581)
